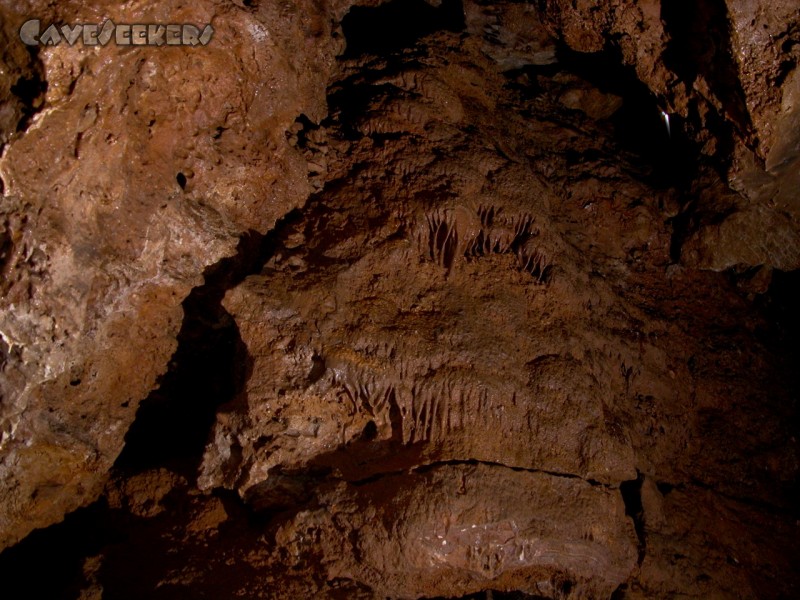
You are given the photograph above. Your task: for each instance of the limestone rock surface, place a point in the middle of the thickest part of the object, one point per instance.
(405, 299)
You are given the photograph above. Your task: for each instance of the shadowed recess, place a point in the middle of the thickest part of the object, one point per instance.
(61, 549)
(398, 24)
(209, 367)
(700, 47)
(639, 128)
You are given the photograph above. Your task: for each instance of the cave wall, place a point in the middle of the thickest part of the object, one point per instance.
(483, 343)
(727, 70)
(138, 170)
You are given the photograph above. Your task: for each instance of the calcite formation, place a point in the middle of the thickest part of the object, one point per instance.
(490, 329)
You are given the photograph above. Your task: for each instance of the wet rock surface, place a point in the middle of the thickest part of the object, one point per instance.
(460, 317)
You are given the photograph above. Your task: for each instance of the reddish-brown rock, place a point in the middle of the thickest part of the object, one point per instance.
(434, 309)
(142, 167)
(728, 69)
(490, 331)
(460, 529)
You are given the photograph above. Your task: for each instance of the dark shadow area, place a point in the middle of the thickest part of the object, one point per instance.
(349, 101)
(136, 558)
(664, 155)
(49, 562)
(632, 497)
(780, 304)
(700, 46)
(397, 24)
(30, 90)
(639, 127)
(142, 564)
(208, 369)
(387, 36)
(683, 224)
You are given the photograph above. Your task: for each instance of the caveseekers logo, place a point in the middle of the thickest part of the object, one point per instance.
(124, 34)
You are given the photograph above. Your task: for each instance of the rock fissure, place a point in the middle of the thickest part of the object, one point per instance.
(632, 497)
(468, 462)
(435, 465)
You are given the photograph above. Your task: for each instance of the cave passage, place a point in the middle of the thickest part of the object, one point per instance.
(669, 155)
(397, 24)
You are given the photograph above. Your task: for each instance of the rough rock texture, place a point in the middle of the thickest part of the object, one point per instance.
(468, 322)
(142, 168)
(459, 528)
(725, 71)
(474, 292)
(21, 85)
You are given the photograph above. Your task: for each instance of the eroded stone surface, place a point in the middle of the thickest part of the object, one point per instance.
(470, 305)
(142, 168)
(489, 350)
(468, 527)
(728, 70)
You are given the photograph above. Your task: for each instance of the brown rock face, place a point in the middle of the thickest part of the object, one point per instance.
(726, 71)
(142, 169)
(459, 527)
(454, 312)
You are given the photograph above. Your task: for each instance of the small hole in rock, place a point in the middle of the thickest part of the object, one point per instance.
(317, 368)
(181, 179)
(370, 431)
(75, 382)
(664, 488)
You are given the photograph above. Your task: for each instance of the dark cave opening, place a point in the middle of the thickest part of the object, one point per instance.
(208, 368)
(30, 90)
(397, 24)
(667, 153)
(700, 46)
(632, 498)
